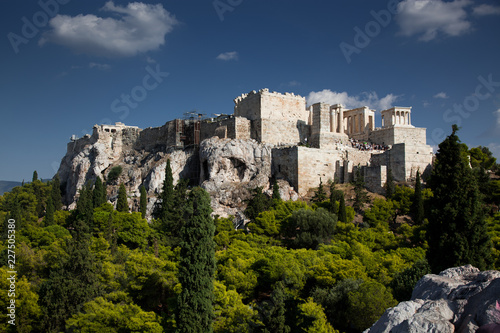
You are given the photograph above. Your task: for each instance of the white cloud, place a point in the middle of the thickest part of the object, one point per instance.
(427, 18)
(441, 95)
(228, 56)
(485, 9)
(370, 99)
(294, 83)
(133, 29)
(101, 67)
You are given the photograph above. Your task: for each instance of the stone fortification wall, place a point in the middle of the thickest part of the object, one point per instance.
(276, 131)
(394, 135)
(418, 158)
(303, 167)
(157, 138)
(248, 105)
(375, 178)
(284, 164)
(230, 128)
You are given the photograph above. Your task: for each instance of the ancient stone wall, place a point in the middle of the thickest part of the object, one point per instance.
(393, 135)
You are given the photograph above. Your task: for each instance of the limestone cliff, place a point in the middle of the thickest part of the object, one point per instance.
(460, 299)
(226, 168)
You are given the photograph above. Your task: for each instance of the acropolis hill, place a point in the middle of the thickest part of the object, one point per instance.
(269, 136)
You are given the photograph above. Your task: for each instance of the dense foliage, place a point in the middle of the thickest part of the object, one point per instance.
(298, 266)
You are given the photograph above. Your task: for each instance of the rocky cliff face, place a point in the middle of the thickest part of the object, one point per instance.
(226, 168)
(460, 299)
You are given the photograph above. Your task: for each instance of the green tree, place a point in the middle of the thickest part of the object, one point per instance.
(418, 202)
(457, 228)
(98, 195)
(307, 228)
(390, 186)
(164, 203)
(320, 194)
(143, 202)
(122, 203)
(74, 281)
(49, 212)
(405, 281)
(482, 157)
(56, 192)
(276, 198)
(273, 311)
(35, 176)
(342, 215)
(114, 173)
(102, 315)
(360, 195)
(257, 204)
(197, 266)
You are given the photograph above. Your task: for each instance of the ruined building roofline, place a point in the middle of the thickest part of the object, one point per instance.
(266, 91)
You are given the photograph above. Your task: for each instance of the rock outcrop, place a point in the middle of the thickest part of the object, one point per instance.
(461, 299)
(226, 168)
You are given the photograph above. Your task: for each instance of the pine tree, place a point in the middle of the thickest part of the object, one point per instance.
(320, 194)
(342, 212)
(35, 176)
(143, 205)
(197, 266)
(49, 212)
(122, 203)
(418, 201)
(56, 193)
(457, 232)
(97, 195)
(390, 186)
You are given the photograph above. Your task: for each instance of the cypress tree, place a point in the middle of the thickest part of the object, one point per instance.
(418, 202)
(320, 194)
(49, 212)
(342, 212)
(276, 197)
(274, 312)
(75, 281)
(360, 196)
(197, 266)
(97, 195)
(122, 203)
(56, 193)
(143, 204)
(165, 199)
(457, 232)
(390, 187)
(35, 176)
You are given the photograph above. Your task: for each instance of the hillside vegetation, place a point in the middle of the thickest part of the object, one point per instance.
(333, 264)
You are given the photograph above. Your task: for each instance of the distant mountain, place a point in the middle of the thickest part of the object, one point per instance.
(6, 186)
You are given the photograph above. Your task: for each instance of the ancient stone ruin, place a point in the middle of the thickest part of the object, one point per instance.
(269, 136)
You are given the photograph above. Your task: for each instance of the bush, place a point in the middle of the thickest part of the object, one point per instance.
(403, 283)
(114, 173)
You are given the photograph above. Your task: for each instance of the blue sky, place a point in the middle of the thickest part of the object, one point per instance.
(67, 65)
